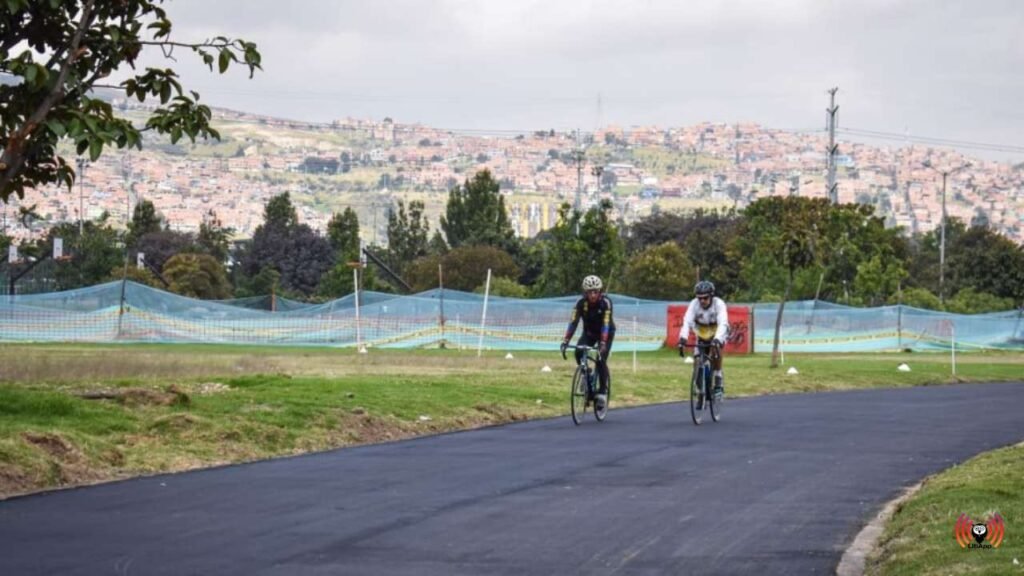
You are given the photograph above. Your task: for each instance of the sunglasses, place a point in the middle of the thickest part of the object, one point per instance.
(704, 297)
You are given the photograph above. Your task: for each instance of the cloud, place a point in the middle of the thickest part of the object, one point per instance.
(938, 66)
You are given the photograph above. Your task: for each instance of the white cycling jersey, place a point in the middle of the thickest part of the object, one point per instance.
(711, 323)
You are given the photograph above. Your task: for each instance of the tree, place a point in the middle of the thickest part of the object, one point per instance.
(280, 213)
(437, 245)
(984, 260)
(92, 256)
(299, 254)
(924, 256)
(854, 241)
(145, 220)
(919, 298)
(507, 287)
(295, 251)
(407, 234)
(787, 229)
(660, 272)
(68, 48)
(475, 215)
(158, 247)
(876, 279)
(197, 276)
(465, 268)
(265, 282)
(343, 233)
(213, 237)
(569, 257)
(971, 301)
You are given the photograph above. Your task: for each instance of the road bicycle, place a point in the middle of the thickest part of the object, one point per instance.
(702, 399)
(585, 386)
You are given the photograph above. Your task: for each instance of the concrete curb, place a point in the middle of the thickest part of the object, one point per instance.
(855, 557)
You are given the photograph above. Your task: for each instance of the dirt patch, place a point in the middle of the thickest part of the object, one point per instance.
(174, 423)
(14, 481)
(364, 428)
(495, 413)
(53, 445)
(135, 397)
(67, 464)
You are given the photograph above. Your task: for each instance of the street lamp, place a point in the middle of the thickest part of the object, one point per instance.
(942, 224)
(597, 171)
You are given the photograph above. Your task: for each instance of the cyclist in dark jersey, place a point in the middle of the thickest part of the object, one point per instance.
(595, 310)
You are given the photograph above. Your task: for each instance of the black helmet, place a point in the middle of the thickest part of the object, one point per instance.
(704, 288)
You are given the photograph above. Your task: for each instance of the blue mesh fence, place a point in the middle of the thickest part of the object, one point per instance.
(428, 319)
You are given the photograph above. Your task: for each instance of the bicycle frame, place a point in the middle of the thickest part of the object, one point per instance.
(589, 356)
(584, 384)
(702, 395)
(702, 359)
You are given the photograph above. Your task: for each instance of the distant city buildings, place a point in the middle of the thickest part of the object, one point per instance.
(369, 164)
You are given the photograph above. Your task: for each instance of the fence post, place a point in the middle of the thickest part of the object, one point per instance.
(483, 317)
(355, 286)
(120, 314)
(440, 319)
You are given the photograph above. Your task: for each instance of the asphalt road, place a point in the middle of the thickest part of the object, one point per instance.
(780, 486)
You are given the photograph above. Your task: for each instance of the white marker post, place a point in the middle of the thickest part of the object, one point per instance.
(483, 317)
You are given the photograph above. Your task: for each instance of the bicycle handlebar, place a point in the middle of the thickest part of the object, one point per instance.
(582, 347)
(683, 345)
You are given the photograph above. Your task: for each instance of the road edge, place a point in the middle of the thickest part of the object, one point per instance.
(855, 556)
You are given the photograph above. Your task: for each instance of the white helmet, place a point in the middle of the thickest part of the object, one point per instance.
(592, 283)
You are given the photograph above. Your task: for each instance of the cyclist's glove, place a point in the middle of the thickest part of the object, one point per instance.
(717, 343)
(565, 344)
(682, 348)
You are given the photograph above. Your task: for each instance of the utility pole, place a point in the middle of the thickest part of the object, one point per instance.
(831, 190)
(82, 164)
(942, 226)
(578, 156)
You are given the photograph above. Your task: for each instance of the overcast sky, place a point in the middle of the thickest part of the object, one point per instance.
(941, 68)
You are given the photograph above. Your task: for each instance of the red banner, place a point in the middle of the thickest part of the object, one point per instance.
(740, 339)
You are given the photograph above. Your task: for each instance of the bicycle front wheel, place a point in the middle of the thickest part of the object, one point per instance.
(600, 414)
(697, 396)
(578, 395)
(715, 403)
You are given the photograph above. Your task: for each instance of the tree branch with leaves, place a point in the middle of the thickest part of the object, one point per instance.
(70, 47)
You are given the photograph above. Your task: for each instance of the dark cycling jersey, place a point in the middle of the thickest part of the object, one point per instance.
(597, 319)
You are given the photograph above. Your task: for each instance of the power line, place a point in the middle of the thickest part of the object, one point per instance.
(932, 140)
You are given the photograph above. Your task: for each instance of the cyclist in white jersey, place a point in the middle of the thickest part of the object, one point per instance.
(708, 318)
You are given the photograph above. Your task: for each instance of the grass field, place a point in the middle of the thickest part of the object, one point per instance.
(73, 414)
(918, 541)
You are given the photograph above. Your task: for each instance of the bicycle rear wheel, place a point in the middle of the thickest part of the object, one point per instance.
(578, 395)
(697, 396)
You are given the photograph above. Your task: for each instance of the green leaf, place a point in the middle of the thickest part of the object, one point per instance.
(82, 146)
(225, 60)
(165, 92)
(95, 149)
(30, 74)
(56, 127)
